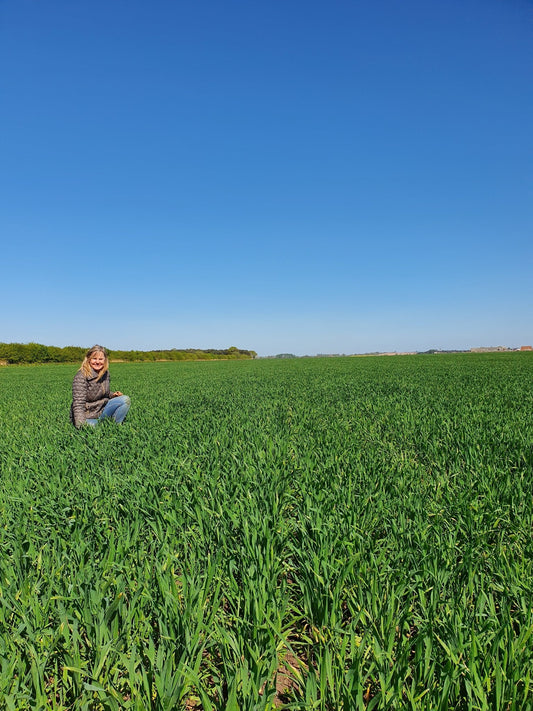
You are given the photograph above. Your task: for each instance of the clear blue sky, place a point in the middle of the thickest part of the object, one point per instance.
(280, 175)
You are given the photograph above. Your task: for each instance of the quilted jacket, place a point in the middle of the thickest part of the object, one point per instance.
(89, 397)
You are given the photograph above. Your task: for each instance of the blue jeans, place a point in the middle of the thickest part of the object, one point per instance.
(116, 408)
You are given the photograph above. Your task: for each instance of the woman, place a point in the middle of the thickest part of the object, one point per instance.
(91, 397)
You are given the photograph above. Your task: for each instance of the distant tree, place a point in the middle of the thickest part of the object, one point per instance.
(36, 353)
(14, 353)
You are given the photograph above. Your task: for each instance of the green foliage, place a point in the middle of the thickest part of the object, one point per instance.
(26, 353)
(350, 533)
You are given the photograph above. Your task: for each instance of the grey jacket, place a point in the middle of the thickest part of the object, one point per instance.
(89, 397)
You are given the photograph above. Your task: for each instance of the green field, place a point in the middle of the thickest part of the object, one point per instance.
(345, 533)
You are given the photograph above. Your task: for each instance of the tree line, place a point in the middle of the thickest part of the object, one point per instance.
(20, 353)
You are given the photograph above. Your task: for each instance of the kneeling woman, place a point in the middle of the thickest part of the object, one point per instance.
(91, 397)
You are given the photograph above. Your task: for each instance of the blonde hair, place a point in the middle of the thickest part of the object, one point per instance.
(86, 366)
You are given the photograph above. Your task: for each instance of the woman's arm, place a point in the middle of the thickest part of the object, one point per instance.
(79, 399)
(111, 394)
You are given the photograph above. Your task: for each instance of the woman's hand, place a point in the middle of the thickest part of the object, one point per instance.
(116, 394)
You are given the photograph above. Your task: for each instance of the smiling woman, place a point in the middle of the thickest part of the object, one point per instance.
(92, 399)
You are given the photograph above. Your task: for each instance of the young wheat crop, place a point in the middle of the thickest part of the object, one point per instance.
(349, 533)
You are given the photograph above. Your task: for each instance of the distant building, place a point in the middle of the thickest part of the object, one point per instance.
(490, 349)
(526, 348)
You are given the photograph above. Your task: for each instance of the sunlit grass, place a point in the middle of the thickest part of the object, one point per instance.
(351, 533)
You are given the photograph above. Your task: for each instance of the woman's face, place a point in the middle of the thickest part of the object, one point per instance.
(97, 361)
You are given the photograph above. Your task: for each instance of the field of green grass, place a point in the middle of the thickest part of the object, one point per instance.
(347, 533)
